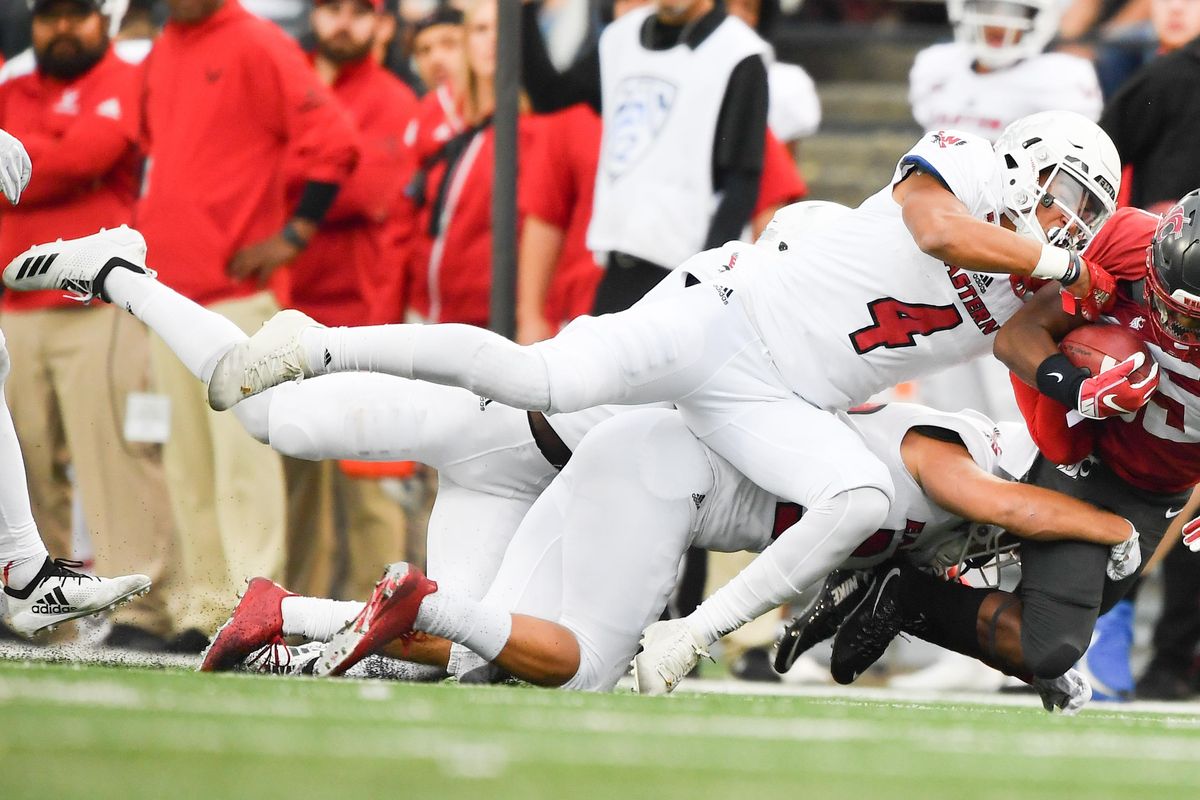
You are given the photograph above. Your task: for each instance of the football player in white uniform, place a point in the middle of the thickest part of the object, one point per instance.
(597, 557)
(994, 73)
(995, 70)
(757, 362)
(39, 593)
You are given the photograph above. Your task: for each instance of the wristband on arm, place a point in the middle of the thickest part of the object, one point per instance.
(1059, 379)
(316, 200)
(1058, 264)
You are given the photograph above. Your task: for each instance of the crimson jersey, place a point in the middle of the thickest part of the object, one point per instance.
(1158, 448)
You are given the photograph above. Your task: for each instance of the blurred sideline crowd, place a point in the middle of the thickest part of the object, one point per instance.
(337, 157)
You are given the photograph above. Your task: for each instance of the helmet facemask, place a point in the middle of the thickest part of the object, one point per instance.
(1059, 187)
(1172, 295)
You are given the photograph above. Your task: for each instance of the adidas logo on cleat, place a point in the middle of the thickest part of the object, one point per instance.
(36, 266)
(54, 602)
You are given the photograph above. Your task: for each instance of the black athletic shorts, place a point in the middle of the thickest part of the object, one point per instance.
(1063, 584)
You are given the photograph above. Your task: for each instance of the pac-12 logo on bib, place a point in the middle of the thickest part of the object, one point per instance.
(643, 104)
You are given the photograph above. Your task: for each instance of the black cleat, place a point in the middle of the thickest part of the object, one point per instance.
(870, 628)
(844, 589)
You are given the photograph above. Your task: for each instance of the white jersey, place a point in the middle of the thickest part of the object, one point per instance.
(654, 194)
(855, 307)
(945, 92)
(737, 515)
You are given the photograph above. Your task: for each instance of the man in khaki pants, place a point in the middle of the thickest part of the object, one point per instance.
(226, 98)
(74, 369)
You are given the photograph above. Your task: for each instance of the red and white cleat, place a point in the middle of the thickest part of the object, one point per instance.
(256, 622)
(389, 615)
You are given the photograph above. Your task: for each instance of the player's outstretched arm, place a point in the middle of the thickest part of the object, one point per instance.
(942, 227)
(952, 479)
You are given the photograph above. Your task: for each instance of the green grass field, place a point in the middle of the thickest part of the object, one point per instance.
(99, 732)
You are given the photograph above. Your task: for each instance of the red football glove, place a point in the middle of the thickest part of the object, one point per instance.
(1191, 535)
(1110, 393)
(1100, 294)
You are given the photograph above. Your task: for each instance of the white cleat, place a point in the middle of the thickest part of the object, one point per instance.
(78, 266)
(59, 594)
(669, 652)
(270, 357)
(1068, 692)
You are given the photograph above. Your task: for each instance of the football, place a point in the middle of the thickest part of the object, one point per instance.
(1101, 346)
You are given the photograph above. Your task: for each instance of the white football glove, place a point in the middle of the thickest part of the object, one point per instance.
(1191, 535)
(1124, 558)
(1068, 692)
(15, 167)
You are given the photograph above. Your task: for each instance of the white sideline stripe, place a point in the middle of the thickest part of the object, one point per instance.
(876, 695)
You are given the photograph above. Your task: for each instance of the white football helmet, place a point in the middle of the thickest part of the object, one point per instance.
(999, 33)
(1063, 159)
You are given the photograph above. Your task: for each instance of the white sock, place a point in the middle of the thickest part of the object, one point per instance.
(372, 348)
(317, 618)
(18, 573)
(452, 355)
(199, 337)
(482, 628)
(22, 552)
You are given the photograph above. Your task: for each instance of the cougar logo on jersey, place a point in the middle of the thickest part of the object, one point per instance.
(1137, 323)
(643, 105)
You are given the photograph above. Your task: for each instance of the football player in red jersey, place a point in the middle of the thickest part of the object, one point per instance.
(1141, 464)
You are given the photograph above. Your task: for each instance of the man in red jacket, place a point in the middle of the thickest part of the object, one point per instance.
(228, 98)
(351, 274)
(77, 115)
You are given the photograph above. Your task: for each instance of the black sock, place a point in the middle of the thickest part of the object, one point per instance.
(942, 612)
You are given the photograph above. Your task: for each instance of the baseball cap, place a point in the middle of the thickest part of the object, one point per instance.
(375, 4)
(443, 15)
(38, 6)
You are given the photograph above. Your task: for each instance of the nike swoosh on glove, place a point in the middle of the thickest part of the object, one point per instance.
(15, 167)
(1191, 535)
(1110, 393)
(1124, 559)
(1100, 296)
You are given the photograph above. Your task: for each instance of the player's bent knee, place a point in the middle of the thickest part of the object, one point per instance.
(595, 673)
(866, 507)
(1054, 660)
